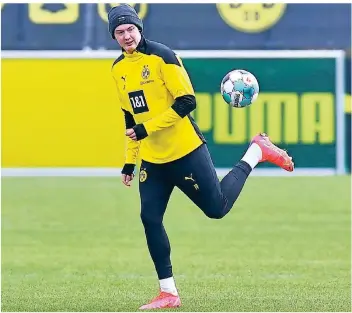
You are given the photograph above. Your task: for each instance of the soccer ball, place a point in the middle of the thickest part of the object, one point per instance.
(239, 88)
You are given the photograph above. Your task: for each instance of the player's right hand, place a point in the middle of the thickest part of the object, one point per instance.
(127, 179)
(127, 174)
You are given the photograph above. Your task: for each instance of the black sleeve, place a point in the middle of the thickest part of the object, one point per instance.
(128, 169)
(140, 131)
(184, 105)
(129, 120)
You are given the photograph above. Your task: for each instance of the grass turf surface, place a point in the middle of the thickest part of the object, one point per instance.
(77, 244)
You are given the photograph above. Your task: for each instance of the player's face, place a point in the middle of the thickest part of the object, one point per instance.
(128, 37)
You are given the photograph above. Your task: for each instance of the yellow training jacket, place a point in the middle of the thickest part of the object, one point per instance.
(156, 95)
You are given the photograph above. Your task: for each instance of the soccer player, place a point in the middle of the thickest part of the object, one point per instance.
(157, 97)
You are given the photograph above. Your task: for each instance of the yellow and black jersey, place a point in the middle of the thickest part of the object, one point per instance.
(156, 96)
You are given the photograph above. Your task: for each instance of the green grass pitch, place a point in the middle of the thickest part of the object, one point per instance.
(77, 244)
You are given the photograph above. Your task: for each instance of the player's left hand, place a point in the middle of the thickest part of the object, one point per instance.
(131, 133)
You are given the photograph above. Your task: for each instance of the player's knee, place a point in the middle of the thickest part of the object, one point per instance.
(149, 218)
(214, 212)
(214, 215)
(214, 207)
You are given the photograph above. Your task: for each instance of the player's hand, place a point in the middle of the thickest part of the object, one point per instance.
(127, 174)
(127, 179)
(138, 132)
(131, 134)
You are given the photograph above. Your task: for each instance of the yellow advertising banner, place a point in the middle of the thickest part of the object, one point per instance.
(60, 113)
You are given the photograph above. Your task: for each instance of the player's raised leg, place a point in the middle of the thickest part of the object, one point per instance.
(197, 178)
(155, 190)
(195, 175)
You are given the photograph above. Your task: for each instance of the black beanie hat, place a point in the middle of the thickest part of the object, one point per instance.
(123, 14)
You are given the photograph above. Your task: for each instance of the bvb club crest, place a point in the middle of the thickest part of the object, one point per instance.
(251, 17)
(145, 72)
(143, 176)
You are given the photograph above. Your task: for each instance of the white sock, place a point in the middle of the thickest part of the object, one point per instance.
(253, 155)
(168, 285)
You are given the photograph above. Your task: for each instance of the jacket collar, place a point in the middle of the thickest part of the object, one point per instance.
(141, 48)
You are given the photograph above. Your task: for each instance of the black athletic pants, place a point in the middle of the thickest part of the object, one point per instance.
(195, 175)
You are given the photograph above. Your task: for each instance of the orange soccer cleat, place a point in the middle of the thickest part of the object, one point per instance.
(162, 301)
(272, 153)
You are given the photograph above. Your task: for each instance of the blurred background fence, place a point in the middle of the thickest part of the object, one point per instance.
(39, 26)
(59, 106)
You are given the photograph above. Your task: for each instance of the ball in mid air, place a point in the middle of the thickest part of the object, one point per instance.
(239, 88)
